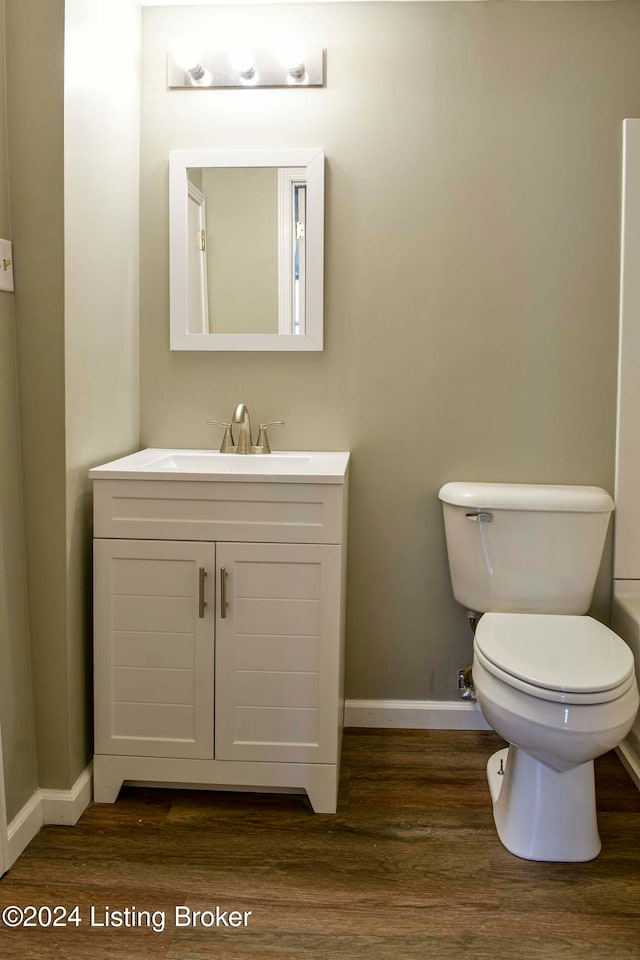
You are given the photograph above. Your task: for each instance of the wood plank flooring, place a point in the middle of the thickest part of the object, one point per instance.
(410, 867)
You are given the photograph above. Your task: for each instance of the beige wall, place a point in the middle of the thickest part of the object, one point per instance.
(16, 707)
(35, 33)
(472, 219)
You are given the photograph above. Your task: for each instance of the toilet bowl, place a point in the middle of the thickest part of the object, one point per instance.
(561, 690)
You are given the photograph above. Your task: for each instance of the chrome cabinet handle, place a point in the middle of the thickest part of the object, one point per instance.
(201, 601)
(223, 593)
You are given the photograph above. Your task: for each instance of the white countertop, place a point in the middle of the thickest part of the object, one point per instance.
(282, 466)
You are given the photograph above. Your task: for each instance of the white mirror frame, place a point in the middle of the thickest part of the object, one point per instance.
(179, 163)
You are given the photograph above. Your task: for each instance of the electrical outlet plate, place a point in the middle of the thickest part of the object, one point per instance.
(6, 265)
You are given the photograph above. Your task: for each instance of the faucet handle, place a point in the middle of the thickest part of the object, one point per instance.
(263, 441)
(227, 445)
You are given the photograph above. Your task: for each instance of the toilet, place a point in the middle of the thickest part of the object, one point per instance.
(557, 685)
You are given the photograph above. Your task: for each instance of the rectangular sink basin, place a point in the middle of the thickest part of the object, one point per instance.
(227, 462)
(176, 464)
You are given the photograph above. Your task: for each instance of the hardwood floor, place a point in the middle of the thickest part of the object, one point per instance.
(410, 867)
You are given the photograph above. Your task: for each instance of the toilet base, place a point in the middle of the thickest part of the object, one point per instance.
(541, 813)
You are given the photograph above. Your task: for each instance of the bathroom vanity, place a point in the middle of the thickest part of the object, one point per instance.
(219, 621)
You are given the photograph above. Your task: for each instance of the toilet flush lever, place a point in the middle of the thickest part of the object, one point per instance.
(481, 516)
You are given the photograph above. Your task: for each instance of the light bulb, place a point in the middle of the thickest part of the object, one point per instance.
(242, 62)
(292, 59)
(298, 72)
(188, 57)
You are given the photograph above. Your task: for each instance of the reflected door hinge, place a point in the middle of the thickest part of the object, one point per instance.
(202, 239)
(299, 229)
(6, 265)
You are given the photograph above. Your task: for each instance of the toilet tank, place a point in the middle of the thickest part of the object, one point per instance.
(524, 548)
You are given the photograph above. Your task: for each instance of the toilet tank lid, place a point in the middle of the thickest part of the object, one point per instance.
(527, 496)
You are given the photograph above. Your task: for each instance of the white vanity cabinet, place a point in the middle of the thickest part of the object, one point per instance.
(219, 631)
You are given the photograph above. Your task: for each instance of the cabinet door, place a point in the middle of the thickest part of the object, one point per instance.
(277, 652)
(154, 627)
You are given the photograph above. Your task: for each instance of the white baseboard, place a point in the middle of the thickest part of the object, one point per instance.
(23, 828)
(67, 806)
(630, 761)
(415, 714)
(63, 807)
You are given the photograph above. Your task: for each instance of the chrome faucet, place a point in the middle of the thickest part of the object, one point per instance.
(241, 416)
(245, 442)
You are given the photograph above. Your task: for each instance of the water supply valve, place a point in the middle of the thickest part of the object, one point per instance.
(465, 684)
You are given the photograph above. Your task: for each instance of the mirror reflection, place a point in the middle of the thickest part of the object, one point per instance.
(246, 250)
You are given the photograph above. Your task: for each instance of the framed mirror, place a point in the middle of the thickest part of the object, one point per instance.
(246, 238)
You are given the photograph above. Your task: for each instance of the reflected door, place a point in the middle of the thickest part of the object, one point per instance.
(198, 312)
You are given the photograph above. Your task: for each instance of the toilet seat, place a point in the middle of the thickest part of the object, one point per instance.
(566, 659)
(543, 693)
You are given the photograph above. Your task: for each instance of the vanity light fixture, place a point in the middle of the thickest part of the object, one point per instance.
(246, 68)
